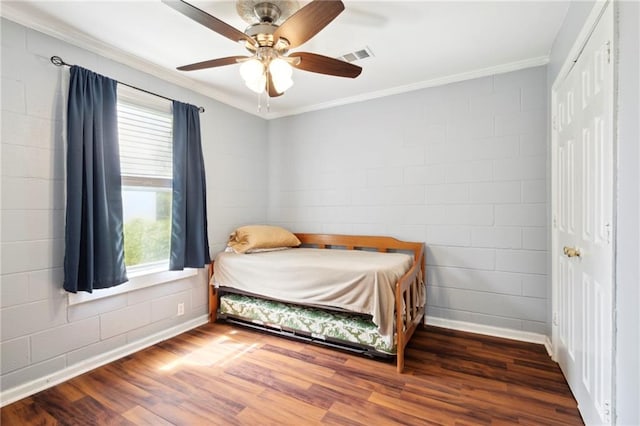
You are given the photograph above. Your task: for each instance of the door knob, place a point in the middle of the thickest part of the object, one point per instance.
(571, 251)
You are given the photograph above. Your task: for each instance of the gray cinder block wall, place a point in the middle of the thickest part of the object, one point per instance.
(41, 332)
(462, 167)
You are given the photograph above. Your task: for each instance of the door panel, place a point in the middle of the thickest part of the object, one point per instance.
(583, 210)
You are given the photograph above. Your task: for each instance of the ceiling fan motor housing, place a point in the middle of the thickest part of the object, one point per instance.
(262, 33)
(267, 12)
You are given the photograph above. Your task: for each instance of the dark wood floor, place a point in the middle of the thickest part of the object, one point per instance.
(218, 374)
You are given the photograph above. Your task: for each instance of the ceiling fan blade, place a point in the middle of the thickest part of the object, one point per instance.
(209, 21)
(325, 65)
(212, 63)
(308, 21)
(272, 90)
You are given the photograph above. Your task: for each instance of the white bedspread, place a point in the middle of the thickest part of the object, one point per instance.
(358, 281)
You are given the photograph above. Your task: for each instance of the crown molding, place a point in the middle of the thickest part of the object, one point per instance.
(440, 81)
(45, 24)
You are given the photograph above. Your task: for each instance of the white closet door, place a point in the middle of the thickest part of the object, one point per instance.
(582, 216)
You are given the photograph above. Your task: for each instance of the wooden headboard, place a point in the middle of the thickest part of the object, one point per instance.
(355, 242)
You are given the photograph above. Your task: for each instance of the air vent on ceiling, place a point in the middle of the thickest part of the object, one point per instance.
(357, 55)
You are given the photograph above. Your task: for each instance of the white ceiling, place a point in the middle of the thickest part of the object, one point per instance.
(416, 44)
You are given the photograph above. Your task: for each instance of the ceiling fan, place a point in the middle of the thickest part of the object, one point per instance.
(269, 68)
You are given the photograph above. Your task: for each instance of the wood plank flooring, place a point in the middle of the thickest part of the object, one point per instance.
(226, 375)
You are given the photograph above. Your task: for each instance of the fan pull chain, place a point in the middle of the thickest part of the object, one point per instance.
(267, 91)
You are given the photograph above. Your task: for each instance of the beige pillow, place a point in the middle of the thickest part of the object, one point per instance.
(253, 237)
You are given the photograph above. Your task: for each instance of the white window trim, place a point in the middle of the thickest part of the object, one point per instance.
(137, 280)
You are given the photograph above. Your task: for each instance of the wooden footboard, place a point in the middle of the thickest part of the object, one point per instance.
(410, 288)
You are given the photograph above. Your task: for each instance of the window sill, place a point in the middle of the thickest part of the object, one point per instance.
(137, 280)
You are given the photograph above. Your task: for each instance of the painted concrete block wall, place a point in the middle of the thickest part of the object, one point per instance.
(462, 167)
(41, 333)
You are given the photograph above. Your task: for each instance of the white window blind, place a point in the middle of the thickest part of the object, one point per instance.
(145, 133)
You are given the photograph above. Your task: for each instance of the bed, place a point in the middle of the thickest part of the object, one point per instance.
(360, 293)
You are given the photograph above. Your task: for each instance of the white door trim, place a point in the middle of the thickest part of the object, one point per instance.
(581, 40)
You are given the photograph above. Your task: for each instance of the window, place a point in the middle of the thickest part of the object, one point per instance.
(145, 130)
(145, 133)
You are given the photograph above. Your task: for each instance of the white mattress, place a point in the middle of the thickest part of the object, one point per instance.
(354, 280)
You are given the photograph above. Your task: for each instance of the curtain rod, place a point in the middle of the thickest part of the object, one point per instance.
(57, 61)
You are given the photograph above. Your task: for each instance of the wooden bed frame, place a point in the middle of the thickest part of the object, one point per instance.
(408, 314)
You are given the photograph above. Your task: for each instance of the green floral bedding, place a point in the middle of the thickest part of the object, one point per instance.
(320, 324)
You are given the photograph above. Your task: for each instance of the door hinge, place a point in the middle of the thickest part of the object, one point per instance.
(607, 231)
(554, 122)
(555, 318)
(608, 52)
(606, 411)
(555, 221)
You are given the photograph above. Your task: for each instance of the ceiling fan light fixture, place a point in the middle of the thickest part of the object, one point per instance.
(258, 84)
(282, 25)
(252, 72)
(281, 73)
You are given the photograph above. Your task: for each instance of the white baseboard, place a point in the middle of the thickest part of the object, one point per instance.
(42, 383)
(548, 345)
(507, 333)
